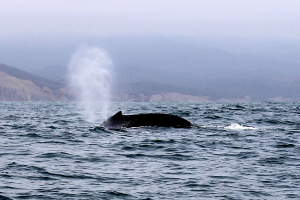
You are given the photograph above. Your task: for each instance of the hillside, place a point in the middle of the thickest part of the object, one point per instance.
(159, 66)
(18, 85)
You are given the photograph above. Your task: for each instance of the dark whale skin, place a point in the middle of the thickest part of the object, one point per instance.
(119, 121)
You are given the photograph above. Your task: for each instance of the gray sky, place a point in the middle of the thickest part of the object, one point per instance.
(88, 18)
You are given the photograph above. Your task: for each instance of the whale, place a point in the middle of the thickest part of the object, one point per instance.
(120, 121)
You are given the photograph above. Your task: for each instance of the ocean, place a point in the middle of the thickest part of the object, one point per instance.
(237, 151)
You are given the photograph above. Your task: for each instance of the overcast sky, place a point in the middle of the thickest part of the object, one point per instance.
(88, 18)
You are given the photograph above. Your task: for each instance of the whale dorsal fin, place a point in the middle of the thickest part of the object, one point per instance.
(118, 114)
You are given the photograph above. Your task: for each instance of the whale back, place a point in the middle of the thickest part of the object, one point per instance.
(119, 121)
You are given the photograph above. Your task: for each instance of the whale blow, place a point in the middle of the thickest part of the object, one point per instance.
(119, 121)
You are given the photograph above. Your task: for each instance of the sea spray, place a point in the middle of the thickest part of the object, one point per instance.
(90, 77)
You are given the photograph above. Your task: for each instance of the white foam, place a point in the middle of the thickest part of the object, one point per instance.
(236, 126)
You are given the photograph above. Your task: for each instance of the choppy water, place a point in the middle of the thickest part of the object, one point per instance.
(239, 151)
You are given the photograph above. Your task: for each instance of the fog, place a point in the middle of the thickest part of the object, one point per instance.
(134, 17)
(221, 49)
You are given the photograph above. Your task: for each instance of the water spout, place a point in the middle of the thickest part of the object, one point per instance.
(90, 71)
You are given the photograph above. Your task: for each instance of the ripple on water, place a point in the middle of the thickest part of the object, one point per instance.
(236, 151)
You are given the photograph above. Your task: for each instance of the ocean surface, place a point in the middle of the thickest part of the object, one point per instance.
(237, 151)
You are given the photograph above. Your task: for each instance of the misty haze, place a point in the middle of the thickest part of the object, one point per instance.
(149, 99)
(178, 68)
(192, 51)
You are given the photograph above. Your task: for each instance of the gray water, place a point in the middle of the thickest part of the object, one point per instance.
(238, 151)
